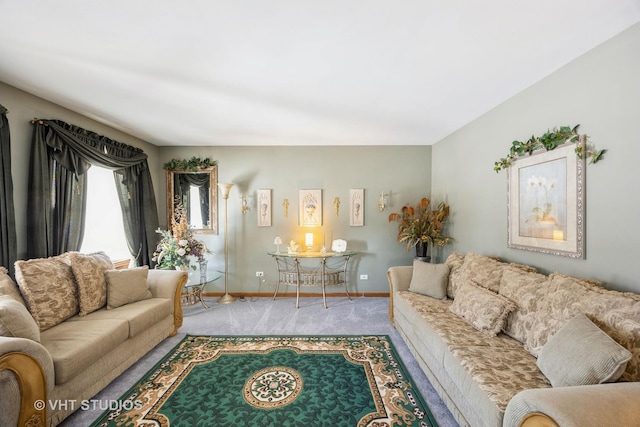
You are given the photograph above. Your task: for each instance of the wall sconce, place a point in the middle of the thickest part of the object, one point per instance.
(245, 206)
(308, 241)
(382, 201)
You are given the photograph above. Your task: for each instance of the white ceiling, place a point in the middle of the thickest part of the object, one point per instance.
(294, 72)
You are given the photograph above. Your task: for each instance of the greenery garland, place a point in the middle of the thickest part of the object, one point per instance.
(193, 164)
(548, 142)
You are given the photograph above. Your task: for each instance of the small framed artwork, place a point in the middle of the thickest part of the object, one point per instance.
(546, 203)
(264, 207)
(356, 207)
(310, 210)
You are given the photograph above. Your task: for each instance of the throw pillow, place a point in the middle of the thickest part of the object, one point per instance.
(455, 262)
(48, 288)
(429, 279)
(527, 290)
(483, 309)
(15, 320)
(580, 353)
(127, 286)
(9, 287)
(88, 270)
(487, 271)
(483, 270)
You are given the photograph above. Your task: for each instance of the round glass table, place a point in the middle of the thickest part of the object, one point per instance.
(192, 292)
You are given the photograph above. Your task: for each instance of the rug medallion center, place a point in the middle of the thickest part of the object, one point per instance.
(273, 387)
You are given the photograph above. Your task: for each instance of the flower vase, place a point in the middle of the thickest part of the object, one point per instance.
(421, 251)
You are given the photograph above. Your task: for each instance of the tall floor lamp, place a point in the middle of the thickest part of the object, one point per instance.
(226, 298)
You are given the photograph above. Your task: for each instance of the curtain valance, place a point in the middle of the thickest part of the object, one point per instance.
(61, 155)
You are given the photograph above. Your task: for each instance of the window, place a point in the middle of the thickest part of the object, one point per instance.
(104, 229)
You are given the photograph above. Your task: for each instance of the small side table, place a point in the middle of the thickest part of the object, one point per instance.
(192, 293)
(291, 273)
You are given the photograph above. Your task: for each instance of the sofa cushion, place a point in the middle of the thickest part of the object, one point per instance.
(127, 286)
(422, 303)
(580, 353)
(74, 346)
(449, 327)
(616, 313)
(487, 271)
(49, 289)
(88, 270)
(455, 262)
(429, 279)
(526, 289)
(494, 372)
(483, 309)
(140, 315)
(8, 286)
(16, 321)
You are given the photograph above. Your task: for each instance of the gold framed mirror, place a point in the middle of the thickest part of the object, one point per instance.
(198, 192)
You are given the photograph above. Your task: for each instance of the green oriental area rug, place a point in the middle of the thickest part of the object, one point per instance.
(275, 381)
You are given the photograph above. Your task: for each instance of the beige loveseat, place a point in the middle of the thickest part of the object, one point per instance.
(72, 325)
(506, 346)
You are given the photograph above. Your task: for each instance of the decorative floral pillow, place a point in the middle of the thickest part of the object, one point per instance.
(88, 270)
(455, 262)
(527, 290)
(483, 309)
(48, 288)
(487, 271)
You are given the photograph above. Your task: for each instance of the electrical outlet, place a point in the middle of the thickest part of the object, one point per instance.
(364, 277)
(259, 273)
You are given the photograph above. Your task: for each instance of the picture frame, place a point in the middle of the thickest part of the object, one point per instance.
(265, 211)
(356, 207)
(310, 208)
(546, 203)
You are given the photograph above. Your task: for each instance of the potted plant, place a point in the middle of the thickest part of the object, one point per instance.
(421, 226)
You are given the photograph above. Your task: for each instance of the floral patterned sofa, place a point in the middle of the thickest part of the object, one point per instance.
(71, 325)
(506, 346)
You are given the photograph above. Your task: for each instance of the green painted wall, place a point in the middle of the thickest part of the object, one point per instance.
(601, 92)
(404, 171)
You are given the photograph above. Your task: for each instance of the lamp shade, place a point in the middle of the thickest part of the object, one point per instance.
(225, 187)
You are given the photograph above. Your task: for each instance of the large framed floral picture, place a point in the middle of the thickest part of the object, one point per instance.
(546, 199)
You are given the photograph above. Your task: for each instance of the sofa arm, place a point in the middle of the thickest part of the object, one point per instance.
(399, 280)
(613, 404)
(168, 284)
(26, 378)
